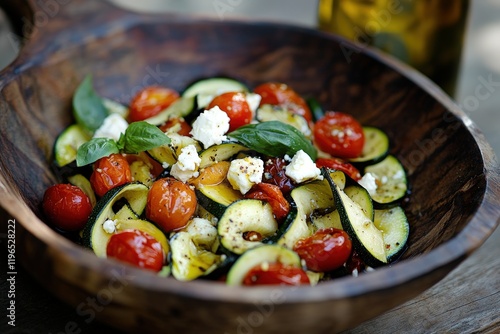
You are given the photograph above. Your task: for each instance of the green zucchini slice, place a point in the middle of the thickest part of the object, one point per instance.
(216, 198)
(83, 183)
(261, 255)
(269, 112)
(395, 229)
(214, 86)
(366, 237)
(375, 149)
(180, 108)
(361, 197)
(68, 142)
(245, 224)
(391, 182)
(219, 152)
(135, 194)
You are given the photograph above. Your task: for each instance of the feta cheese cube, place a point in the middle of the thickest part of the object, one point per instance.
(302, 168)
(253, 101)
(369, 182)
(187, 164)
(109, 226)
(112, 127)
(210, 127)
(244, 173)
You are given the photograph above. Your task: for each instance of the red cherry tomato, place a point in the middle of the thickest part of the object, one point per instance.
(150, 101)
(110, 172)
(339, 164)
(171, 203)
(137, 248)
(325, 250)
(339, 134)
(282, 95)
(276, 274)
(185, 128)
(274, 173)
(66, 206)
(236, 107)
(273, 195)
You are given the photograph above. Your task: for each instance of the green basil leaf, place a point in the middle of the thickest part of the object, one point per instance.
(88, 107)
(274, 138)
(142, 136)
(95, 149)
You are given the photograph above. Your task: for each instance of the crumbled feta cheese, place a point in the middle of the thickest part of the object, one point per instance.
(368, 182)
(244, 173)
(187, 164)
(302, 168)
(165, 165)
(109, 226)
(209, 128)
(253, 101)
(112, 127)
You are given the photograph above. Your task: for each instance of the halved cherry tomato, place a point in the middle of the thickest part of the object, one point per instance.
(110, 172)
(170, 204)
(137, 248)
(274, 173)
(184, 130)
(339, 164)
(150, 101)
(339, 134)
(66, 206)
(280, 94)
(325, 250)
(236, 107)
(276, 273)
(212, 175)
(273, 195)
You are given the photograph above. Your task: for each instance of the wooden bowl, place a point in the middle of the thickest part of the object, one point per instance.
(454, 205)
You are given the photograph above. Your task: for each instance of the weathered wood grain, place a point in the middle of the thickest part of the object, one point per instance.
(453, 207)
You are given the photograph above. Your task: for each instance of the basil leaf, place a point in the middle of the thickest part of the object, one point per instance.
(142, 136)
(273, 138)
(88, 108)
(95, 149)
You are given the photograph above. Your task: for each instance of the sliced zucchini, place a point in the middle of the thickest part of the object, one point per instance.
(245, 223)
(220, 152)
(366, 237)
(262, 255)
(206, 89)
(395, 229)
(391, 182)
(68, 142)
(180, 108)
(163, 155)
(310, 199)
(135, 194)
(126, 213)
(375, 149)
(316, 109)
(269, 112)
(114, 107)
(216, 198)
(361, 197)
(329, 220)
(83, 183)
(193, 250)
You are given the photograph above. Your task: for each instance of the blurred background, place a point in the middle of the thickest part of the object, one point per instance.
(477, 90)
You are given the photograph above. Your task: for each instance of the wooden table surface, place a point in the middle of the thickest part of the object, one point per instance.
(466, 301)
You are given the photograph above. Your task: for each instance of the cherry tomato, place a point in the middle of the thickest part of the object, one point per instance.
(325, 250)
(282, 95)
(137, 248)
(274, 173)
(236, 107)
(339, 164)
(66, 206)
(150, 101)
(273, 195)
(110, 172)
(276, 273)
(170, 204)
(339, 134)
(184, 130)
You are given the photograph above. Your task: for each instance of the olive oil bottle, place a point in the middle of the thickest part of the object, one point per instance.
(426, 34)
